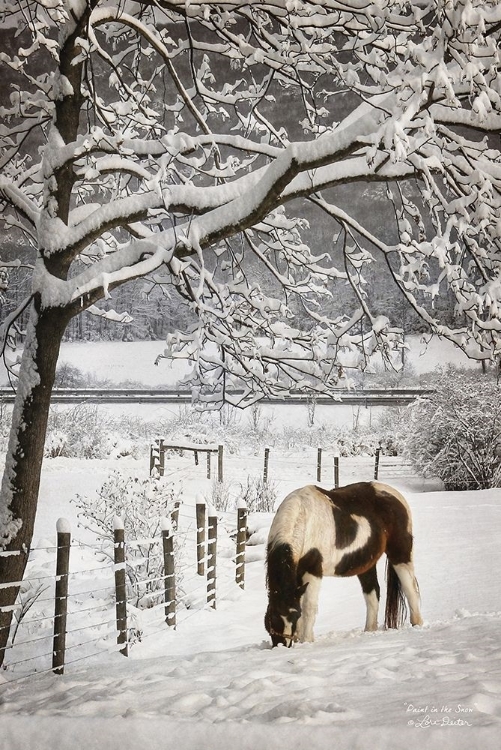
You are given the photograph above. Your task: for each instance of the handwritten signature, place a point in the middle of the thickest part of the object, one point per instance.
(440, 721)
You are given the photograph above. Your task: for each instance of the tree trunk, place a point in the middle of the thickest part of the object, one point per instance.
(21, 480)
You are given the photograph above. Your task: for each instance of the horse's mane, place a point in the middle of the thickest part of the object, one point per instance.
(280, 568)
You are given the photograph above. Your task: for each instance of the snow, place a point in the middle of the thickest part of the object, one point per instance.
(122, 361)
(166, 524)
(118, 524)
(63, 526)
(214, 682)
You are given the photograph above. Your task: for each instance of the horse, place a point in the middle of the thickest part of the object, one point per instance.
(340, 532)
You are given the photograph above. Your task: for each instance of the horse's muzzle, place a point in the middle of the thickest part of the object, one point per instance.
(278, 639)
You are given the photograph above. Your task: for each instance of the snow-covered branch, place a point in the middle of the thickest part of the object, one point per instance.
(182, 134)
(15, 197)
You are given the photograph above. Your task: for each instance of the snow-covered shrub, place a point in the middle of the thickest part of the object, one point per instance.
(77, 431)
(258, 495)
(455, 433)
(230, 426)
(141, 504)
(29, 592)
(382, 376)
(70, 376)
(117, 446)
(343, 441)
(259, 430)
(391, 428)
(56, 444)
(220, 496)
(86, 431)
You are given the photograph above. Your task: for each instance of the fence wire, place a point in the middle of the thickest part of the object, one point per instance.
(191, 599)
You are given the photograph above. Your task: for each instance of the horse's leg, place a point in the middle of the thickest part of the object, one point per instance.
(309, 608)
(309, 574)
(405, 573)
(370, 587)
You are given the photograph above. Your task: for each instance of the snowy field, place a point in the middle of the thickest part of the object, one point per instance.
(135, 360)
(215, 684)
(120, 362)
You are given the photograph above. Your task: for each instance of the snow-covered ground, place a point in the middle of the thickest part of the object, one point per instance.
(120, 361)
(216, 683)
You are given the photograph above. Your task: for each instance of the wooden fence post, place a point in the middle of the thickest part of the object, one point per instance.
(161, 459)
(319, 465)
(376, 463)
(154, 455)
(61, 598)
(336, 471)
(200, 514)
(241, 541)
(169, 574)
(211, 560)
(120, 585)
(174, 516)
(266, 464)
(220, 474)
(157, 457)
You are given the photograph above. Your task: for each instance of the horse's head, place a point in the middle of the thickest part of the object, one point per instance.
(282, 616)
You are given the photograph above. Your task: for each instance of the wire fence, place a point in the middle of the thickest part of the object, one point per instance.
(62, 618)
(316, 464)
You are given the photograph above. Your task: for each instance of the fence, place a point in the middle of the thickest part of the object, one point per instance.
(324, 465)
(174, 588)
(160, 448)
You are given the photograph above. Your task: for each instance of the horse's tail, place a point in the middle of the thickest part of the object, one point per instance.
(396, 608)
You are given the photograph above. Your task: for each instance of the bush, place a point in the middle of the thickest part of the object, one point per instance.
(77, 431)
(70, 376)
(258, 495)
(455, 433)
(90, 431)
(226, 425)
(141, 504)
(85, 431)
(220, 496)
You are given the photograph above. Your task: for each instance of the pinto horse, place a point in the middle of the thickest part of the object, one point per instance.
(341, 532)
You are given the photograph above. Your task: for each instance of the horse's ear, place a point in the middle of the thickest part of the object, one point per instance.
(301, 589)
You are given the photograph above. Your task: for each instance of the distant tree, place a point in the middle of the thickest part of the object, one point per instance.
(169, 138)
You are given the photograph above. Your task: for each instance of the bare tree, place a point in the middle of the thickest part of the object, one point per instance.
(167, 139)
